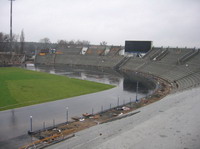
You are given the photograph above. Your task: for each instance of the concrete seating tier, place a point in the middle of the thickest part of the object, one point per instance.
(184, 75)
(99, 61)
(109, 61)
(190, 81)
(17, 59)
(134, 64)
(188, 56)
(194, 61)
(151, 53)
(41, 59)
(175, 73)
(174, 54)
(70, 50)
(114, 50)
(155, 68)
(96, 50)
(7, 59)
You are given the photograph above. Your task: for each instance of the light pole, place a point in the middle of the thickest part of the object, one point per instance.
(137, 92)
(31, 125)
(118, 102)
(11, 25)
(44, 125)
(67, 114)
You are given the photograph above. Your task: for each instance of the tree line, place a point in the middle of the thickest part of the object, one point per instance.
(19, 46)
(7, 46)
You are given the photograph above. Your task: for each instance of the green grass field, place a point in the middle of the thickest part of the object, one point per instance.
(20, 87)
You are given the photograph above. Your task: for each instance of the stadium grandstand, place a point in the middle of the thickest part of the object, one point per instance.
(7, 59)
(179, 66)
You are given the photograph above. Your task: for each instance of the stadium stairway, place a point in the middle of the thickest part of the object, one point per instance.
(121, 63)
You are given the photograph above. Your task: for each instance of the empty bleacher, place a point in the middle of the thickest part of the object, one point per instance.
(95, 50)
(8, 59)
(150, 53)
(5, 59)
(158, 54)
(85, 60)
(174, 54)
(114, 50)
(71, 50)
(161, 62)
(109, 61)
(187, 56)
(161, 55)
(185, 76)
(194, 62)
(134, 64)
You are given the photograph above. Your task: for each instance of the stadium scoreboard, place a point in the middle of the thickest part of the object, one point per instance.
(138, 46)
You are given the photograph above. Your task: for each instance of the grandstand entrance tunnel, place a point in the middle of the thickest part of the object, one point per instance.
(124, 91)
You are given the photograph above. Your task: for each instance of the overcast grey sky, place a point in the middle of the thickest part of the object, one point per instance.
(165, 22)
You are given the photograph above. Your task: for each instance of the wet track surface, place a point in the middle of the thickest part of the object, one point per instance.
(16, 122)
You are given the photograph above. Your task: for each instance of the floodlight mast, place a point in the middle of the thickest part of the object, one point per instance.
(11, 39)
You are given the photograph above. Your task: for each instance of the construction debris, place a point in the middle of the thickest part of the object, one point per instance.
(125, 108)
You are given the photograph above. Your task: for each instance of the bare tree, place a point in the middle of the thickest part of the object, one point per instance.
(4, 37)
(14, 45)
(15, 38)
(6, 45)
(1, 37)
(46, 42)
(71, 42)
(78, 42)
(22, 39)
(62, 43)
(103, 43)
(4, 42)
(83, 42)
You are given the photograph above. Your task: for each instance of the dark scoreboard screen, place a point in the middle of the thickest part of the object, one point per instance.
(138, 46)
